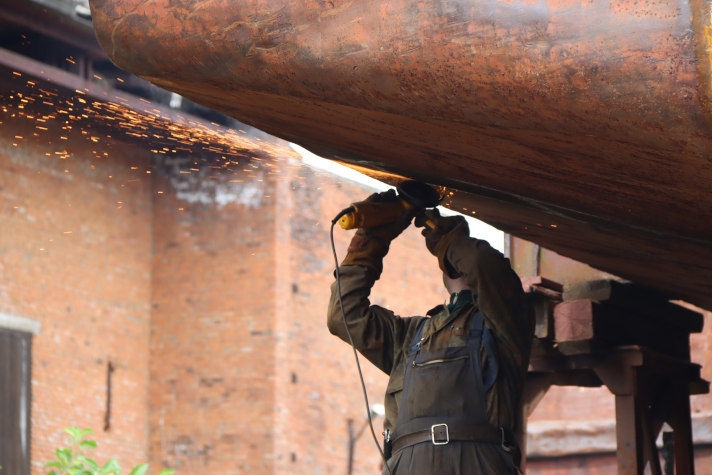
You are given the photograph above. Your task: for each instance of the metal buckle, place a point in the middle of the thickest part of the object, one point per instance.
(504, 446)
(439, 428)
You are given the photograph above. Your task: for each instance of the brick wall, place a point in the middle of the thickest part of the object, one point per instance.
(213, 330)
(75, 255)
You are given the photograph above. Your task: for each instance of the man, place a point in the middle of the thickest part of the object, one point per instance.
(453, 400)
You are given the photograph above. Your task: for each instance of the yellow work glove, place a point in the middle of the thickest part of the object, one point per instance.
(439, 232)
(369, 246)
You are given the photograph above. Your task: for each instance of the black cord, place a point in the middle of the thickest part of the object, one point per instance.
(353, 346)
(343, 212)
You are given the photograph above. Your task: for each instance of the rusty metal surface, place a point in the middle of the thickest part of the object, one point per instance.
(581, 126)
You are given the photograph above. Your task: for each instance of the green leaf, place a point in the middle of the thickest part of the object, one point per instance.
(74, 432)
(64, 456)
(53, 464)
(79, 471)
(88, 444)
(77, 433)
(110, 467)
(78, 462)
(167, 471)
(140, 469)
(91, 465)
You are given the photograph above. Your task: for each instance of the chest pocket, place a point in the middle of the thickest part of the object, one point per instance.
(440, 382)
(451, 378)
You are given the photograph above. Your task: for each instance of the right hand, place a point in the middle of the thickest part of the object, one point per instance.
(390, 230)
(369, 246)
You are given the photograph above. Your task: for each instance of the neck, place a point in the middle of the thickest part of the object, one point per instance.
(460, 298)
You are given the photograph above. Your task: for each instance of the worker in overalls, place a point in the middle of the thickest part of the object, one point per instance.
(453, 400)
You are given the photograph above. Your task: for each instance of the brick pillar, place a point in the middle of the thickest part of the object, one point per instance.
(212, 334)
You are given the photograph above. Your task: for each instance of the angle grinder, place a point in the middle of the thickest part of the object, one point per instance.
(411, 196)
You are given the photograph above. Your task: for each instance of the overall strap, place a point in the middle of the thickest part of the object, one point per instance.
(418, 335)
(479, 327)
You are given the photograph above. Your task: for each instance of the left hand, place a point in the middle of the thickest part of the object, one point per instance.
(439, 232)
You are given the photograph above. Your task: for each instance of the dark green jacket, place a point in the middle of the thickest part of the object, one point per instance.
(382, 337)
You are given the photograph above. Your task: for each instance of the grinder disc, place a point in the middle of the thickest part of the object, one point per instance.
(419, 194)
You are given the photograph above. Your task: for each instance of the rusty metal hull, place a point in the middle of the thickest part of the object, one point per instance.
(580, 125)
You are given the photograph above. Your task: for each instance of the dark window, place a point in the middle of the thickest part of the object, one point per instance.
(15, 358)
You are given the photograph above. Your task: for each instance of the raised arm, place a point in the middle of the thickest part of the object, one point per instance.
(376, 332)
(489, 275)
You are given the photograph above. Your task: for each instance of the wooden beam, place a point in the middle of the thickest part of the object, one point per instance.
(543, 295)
(627, 425)
(654, 306)
(608, 325)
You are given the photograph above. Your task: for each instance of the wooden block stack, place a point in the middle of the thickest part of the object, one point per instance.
(606, 313)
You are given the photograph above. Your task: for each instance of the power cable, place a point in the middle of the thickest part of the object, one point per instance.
(353, 346)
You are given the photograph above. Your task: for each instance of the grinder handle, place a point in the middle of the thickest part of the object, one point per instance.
(367, 214)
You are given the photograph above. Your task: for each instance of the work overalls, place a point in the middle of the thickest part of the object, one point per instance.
(442, 413)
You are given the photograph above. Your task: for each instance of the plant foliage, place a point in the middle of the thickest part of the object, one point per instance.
(72, 460)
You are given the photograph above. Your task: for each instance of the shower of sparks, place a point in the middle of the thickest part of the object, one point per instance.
(55, 116)
(188, 143)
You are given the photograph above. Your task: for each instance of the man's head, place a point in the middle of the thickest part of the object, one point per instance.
(454, 284)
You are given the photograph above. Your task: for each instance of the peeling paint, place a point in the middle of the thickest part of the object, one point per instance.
(221, 191)
(221, 194)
